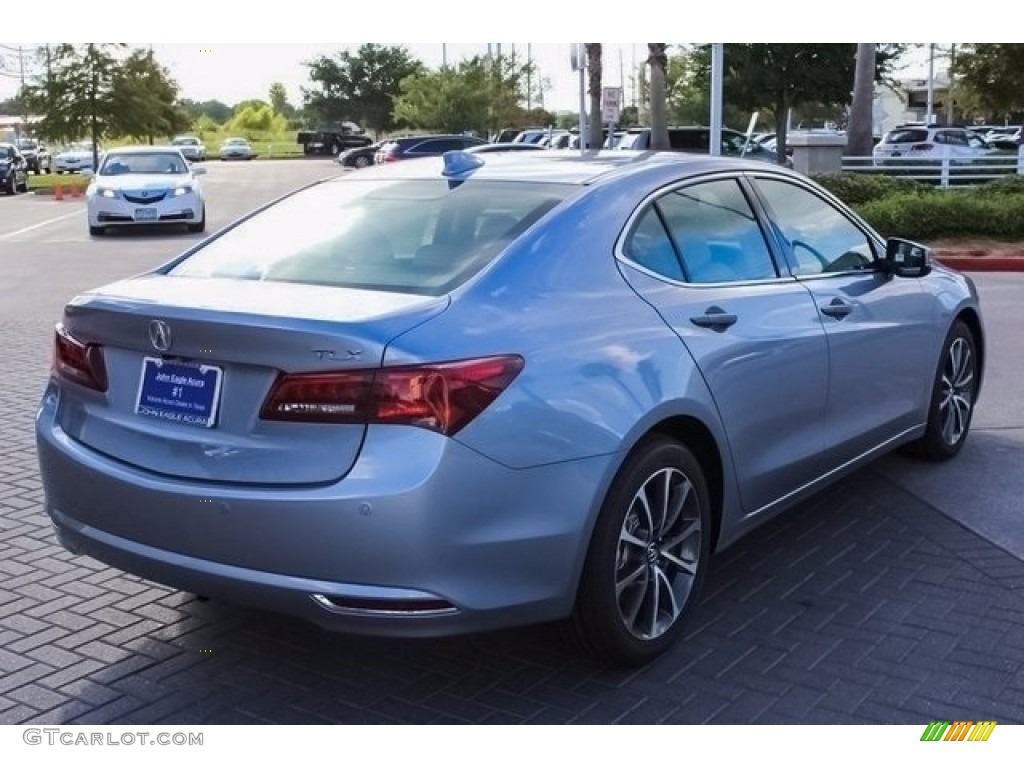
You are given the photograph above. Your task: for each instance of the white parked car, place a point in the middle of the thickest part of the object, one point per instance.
(191, 147)
(924, 142)
(236, 149)
(74, 158)
(145, 185)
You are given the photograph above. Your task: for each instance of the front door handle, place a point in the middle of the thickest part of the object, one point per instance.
(837, 308)
(715, 318)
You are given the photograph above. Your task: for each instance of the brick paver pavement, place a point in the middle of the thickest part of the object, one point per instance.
(863, 606)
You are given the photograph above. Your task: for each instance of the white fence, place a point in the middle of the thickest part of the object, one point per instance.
(944, 172)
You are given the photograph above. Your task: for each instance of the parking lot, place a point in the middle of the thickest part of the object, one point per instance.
(895, 597)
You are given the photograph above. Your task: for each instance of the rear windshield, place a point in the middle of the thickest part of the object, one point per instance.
(906, 136)
(408, 236)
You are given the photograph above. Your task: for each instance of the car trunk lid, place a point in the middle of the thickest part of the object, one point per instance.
(227, 341)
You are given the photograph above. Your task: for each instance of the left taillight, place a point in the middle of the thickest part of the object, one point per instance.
(77, 361)
(443, 397)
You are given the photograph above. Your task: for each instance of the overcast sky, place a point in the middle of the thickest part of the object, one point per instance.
(232, 72)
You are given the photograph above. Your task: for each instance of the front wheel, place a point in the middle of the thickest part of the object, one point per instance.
(647, 557)
(953, 396)
(199, 226)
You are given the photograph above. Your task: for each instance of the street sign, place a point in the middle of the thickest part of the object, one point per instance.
(611, 105)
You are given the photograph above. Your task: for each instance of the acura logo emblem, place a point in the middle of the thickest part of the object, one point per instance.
(160, 335)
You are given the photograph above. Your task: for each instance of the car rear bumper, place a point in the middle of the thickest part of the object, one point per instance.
(423, 537)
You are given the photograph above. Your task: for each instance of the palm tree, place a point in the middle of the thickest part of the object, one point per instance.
(859, 130)
(596, 131)
(657, 58)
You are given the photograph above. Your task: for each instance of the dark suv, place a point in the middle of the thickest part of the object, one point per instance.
(409, 147)
(37, 157)
(697, 139)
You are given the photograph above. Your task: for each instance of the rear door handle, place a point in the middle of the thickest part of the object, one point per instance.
(837, 308)
(714, 317)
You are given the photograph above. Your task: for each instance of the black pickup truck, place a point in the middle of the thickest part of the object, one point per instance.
(331, 140)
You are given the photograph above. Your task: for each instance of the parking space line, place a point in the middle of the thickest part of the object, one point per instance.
(23, 230)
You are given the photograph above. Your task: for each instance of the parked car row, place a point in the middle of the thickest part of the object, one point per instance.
(693, 139)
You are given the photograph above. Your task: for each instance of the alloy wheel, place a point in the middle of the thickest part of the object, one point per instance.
(957, 388)
(658, 554)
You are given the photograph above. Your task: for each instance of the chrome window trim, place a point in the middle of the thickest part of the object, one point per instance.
(737, 176)
(831, 200)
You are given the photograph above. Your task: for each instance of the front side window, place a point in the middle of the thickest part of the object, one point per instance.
(819, 238)
(716, 233)
(410, 236)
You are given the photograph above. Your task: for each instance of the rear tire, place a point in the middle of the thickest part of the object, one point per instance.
(647, 558)
(10, 187)
(953, 398)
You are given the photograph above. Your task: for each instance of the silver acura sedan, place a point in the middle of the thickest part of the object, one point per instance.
(477, 391)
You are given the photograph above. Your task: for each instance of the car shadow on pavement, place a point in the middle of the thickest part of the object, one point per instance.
(862, 605)
(145, 231)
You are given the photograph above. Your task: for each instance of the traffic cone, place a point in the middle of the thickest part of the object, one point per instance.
(74, 189)
(58, 193)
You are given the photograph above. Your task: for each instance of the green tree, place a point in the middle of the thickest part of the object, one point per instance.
(451, 100)
(241, 106)
(257, 121)
(217, 111)
(75, 96)
(279, 100)
(145, 99)
(481, 94)
(990, 77)
(781, 76)
(360, 86)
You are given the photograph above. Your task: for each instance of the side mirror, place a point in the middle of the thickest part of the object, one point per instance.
(904, 258)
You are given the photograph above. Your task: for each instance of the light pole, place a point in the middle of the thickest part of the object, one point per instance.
(717, 59)
(930, 108)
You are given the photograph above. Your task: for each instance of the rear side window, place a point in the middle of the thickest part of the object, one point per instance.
(649, 246)
(906, 136)
(410, 236)
(717, 233)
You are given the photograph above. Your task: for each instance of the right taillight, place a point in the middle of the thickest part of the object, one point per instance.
(77, 361)
(443, 397)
